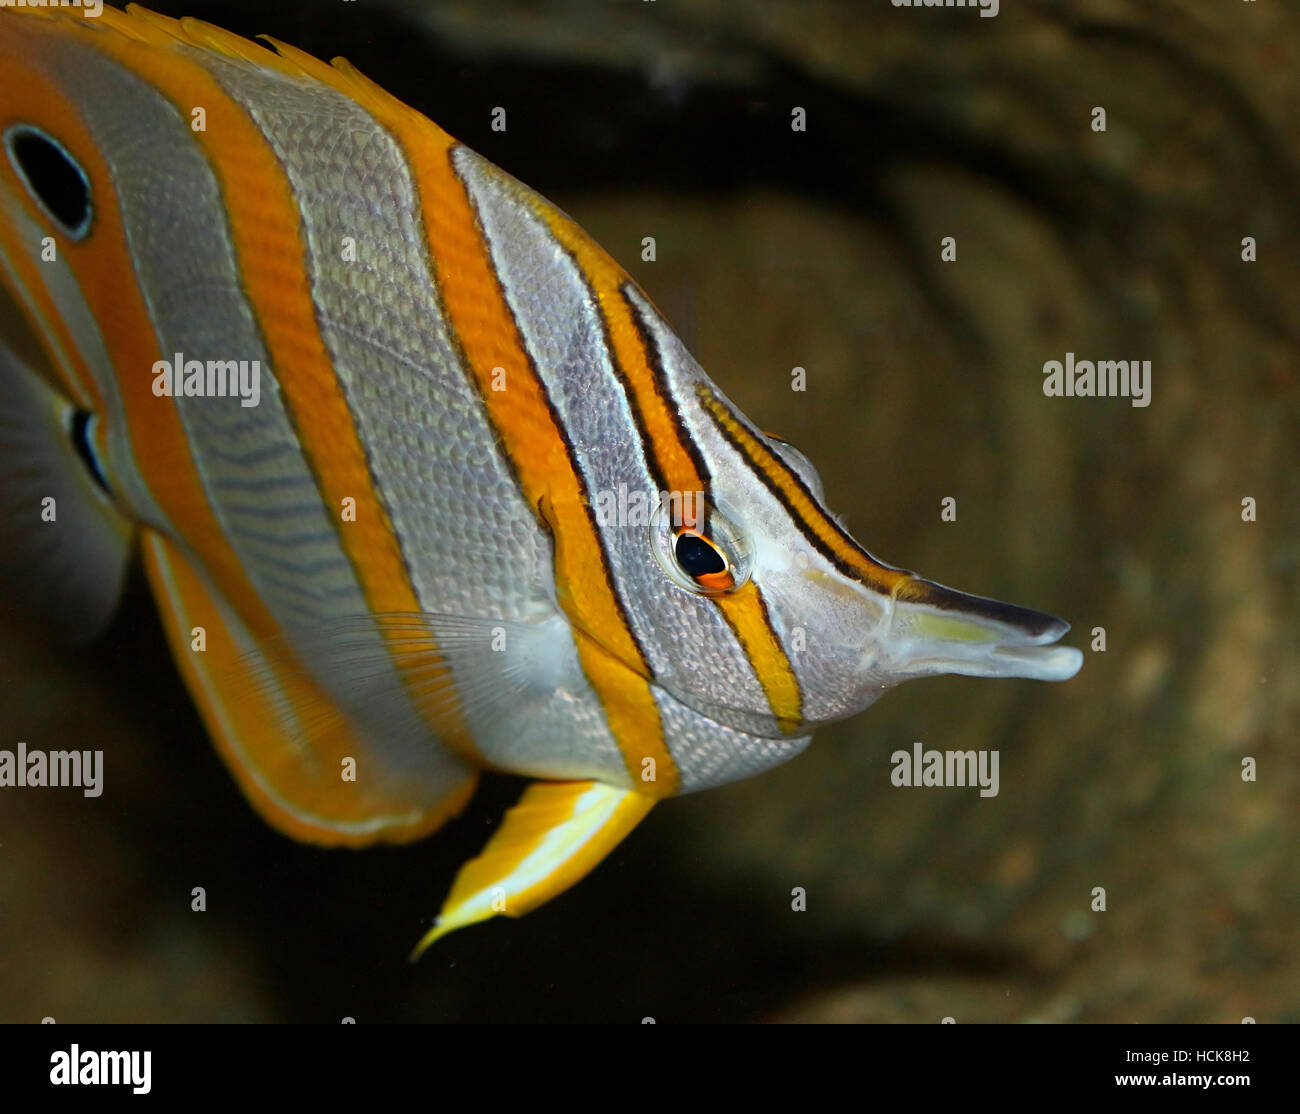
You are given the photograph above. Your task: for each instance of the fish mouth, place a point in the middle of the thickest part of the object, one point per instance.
(933, 629)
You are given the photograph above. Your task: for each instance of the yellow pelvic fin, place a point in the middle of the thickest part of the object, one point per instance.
(552, 838)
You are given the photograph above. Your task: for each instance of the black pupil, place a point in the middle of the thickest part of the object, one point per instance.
(697, 557)
(81, 446)
(54, 178)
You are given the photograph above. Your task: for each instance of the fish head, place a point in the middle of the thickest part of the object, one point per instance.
(853, 626)
(848, 633)
(794, 623)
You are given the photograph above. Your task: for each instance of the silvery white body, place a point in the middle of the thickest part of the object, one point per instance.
(480, 562)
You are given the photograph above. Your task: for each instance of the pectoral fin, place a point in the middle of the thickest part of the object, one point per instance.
(551, 839)
(64, 546)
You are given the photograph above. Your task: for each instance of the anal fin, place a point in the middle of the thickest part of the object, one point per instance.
(284, 738)
(551, 839)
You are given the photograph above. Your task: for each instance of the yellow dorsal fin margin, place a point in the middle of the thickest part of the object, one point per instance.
(145, 26)
(551, 839)
(148, 27)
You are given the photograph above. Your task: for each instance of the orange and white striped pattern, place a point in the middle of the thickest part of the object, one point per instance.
(397, 557)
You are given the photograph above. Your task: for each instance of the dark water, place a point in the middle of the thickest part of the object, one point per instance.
(822, 250)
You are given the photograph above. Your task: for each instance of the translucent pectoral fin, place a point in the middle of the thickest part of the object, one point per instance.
(554, 836)
(64, 544)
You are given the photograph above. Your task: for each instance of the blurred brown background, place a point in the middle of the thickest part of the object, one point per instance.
(821, 249)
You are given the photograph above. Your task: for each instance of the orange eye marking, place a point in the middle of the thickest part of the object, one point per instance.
(716, 581)
(720, 581)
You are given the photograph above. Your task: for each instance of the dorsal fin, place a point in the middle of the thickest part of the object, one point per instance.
(144, 26)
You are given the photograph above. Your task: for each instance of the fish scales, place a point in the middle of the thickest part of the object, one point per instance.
(424, 484)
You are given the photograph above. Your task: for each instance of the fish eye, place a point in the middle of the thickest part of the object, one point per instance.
(706, 553)
(697, 556)
(52, 176)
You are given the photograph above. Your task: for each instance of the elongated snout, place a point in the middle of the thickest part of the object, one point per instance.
(934, 629)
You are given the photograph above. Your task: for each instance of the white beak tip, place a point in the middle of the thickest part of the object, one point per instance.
(1040, 663)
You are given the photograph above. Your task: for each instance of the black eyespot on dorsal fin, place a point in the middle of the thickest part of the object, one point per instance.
(52, 176)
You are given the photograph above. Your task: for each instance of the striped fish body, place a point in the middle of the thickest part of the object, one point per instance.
(423, 483)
